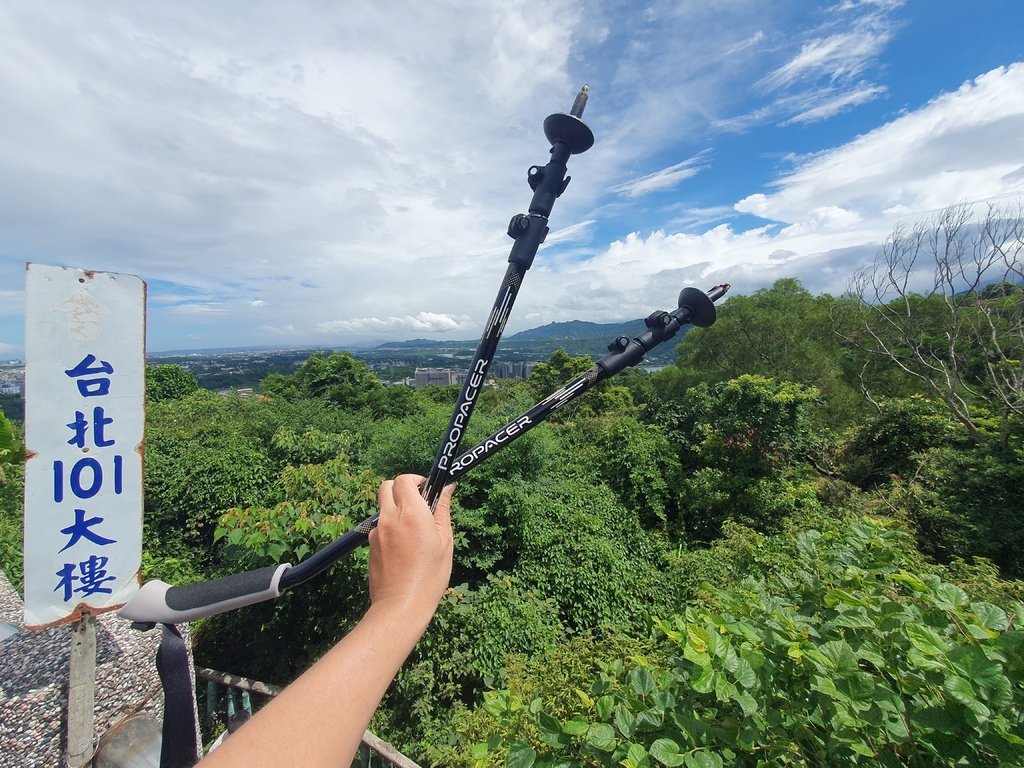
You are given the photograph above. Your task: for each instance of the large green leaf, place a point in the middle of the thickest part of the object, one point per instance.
(551, 731)
(521, 755)
(641, 681)
(666, 752)
(926, 640)
(702, 759)
(991, 616)
(601, 736)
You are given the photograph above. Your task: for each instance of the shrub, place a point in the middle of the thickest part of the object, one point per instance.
(851, 659)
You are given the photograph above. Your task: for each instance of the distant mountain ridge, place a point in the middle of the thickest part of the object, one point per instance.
(580, 329)
(571, 330)
(420, 344)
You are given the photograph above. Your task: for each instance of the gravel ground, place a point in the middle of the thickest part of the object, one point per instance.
(34, 671)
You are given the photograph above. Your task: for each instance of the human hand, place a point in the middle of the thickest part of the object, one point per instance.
(410, 549)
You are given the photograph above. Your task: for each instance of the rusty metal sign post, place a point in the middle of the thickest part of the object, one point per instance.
(84, 420)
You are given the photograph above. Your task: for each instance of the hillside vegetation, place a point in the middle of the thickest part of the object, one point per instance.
(799, 545)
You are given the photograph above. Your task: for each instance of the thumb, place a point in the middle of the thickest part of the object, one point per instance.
(443, 511)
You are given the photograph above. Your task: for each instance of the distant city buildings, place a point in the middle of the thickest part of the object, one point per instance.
(446, 377)
(512, 370)
(12, 377)
(437, 377)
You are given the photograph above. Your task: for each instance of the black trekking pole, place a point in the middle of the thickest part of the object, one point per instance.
(164, 603)
(568, 135)
(695, 308)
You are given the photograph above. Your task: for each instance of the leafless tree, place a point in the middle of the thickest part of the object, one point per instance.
(944, 301)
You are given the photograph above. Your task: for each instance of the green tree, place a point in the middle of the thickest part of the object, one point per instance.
(169, 382)
(639, 463)
(890, 442)
(961, 338)
(782, 332)
(12, 476)
(559, 370)
(964, 503)
(338, 378)
(742, 445)
(857, 655)
(465, 649)
(545, 378)
(571, 540)
(204, 454)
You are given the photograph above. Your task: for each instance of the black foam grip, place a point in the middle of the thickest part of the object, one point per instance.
(219, 590)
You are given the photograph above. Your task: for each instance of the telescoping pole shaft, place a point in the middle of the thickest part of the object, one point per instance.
(568, 136)
(695, 308)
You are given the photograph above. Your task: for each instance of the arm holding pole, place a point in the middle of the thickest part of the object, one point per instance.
(410, 565)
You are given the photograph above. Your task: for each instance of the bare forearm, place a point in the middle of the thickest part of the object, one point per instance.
(319, 719)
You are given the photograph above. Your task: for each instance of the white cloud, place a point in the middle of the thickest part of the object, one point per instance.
(666, 178)
(274, 330)
(835, 57)
(198, 309)
(830, 105)
(358, 164)
(12, 302)
(422, 322)
(755, 39)
(961, 145)
(828, 215)
(574, 232)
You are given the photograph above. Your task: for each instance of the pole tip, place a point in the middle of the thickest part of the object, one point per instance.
(581, 101)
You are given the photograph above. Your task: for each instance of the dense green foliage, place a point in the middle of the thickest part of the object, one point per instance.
(12, 476)
(786, 549)
(169, 382)
(854, 655)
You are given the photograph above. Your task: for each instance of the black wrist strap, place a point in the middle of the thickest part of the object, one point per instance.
(179, 747)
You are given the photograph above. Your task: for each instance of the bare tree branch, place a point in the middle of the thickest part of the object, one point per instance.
(944, 302)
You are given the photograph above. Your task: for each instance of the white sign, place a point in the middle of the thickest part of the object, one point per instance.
(84, 421)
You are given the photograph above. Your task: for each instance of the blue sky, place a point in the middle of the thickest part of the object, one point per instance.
(315, 173)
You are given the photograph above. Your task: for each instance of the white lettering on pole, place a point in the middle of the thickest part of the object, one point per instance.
(492, 443)
(476, 379)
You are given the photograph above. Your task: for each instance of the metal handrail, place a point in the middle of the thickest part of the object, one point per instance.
(376, 744)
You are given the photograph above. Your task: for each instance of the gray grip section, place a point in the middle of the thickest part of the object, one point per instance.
(157, 602)
(220, 590)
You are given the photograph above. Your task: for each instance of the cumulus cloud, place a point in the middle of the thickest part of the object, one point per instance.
(355, 167)
(833, 210)
(961, 145)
